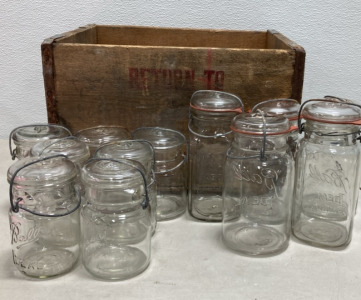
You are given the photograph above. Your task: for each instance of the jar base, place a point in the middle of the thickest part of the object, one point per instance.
(116, 263)
(207, 207)
(48, 263)
(254, 240)
(321, 233)
(170, 207)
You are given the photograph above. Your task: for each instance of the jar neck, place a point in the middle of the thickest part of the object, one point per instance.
(255, 142)
(327, 133)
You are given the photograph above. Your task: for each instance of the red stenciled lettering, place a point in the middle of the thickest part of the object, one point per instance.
(133, 77)
(219, 80)
(209, 74)
(189, 78)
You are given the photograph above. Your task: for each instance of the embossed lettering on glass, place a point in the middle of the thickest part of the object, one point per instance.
(211, 113)
(44, 216)
(258, 186)
(327, 176)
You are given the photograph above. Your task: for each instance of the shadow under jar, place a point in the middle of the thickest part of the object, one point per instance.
(211, 113)
(327, 174)
(44, 216)
(115, 220)
(258, 186)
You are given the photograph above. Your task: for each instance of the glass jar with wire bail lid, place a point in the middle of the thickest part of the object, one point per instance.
(284, 107)
(258, 186)
(26, 136)
(211, 113)
(100, 135)
(142, 152)
(115, 220)
(327, 173)
(44, 216)
(170, 149)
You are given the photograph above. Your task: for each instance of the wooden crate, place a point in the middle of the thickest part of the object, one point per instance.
(144, 76)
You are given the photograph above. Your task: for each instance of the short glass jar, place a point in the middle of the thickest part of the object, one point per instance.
(98, 136)
(115, 220)
(44, 216)
(258, 186)
(142, 152)
(170, 148)
(25, 137)
(327, 173)
(211, 113)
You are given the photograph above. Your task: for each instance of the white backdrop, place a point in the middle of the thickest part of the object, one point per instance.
(329, 30)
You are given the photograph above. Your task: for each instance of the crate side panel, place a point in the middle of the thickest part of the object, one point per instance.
(145, 86)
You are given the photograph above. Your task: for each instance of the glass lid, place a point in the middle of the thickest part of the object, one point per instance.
(36, 133)
(285, 107)
(215, 101)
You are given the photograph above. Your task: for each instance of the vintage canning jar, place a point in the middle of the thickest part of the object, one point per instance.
(211, 113)
(258, 186)
(115, 220)
(25, 137)
(44, 216)
(98, 136)
(170, 148)
(327, 176)
(284, 107)
(142, 152)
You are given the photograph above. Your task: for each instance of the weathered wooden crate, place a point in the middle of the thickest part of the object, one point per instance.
(144, 76)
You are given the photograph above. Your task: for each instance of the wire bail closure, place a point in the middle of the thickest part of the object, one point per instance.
(146, 201)
(15, 207)
(13, 151)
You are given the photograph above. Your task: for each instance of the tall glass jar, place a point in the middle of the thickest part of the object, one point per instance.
(211, 113)
(327, 176)
(44, 216)
(98, 136)
(258, 186)
(170, 148)
(25, 137)
(142, 152)
(115, 221)
(283, 107)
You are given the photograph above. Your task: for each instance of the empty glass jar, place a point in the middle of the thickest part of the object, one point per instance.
(211, 113)
(98, 136)
(142, 152)
(327, 176)
(258, 186)
(170, 149)
(283, 107)
(44, 216)
(25, 137)
(115, 221)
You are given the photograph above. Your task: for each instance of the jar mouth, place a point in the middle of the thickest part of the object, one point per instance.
(286, 107)
(215, 101)
(160, 138)
(103, 134)
(256, 124)
(324, 111)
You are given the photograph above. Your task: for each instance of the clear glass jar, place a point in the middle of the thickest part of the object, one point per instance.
(44, 216)
(98, 136)
(25, 137)
(258, 186)
(211, 113)
(170, 148)
(288, 108)
(115, 221)
(327, 174)
(142, 152)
